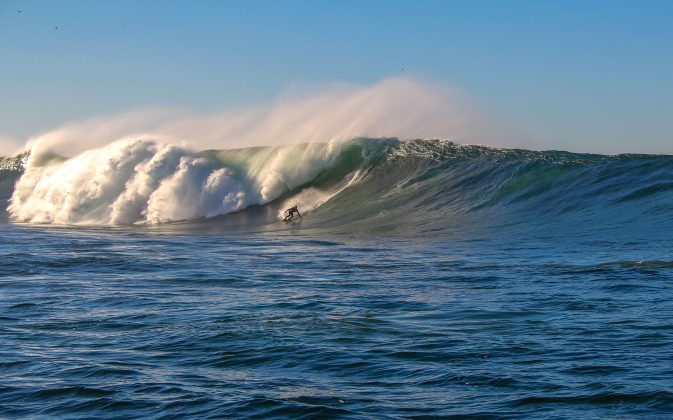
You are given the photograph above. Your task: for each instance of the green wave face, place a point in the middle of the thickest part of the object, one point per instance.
(423, 186)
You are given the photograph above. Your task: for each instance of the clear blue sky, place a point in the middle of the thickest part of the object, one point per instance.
(580, 75)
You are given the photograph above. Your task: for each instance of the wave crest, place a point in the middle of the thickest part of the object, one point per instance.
(357, 186)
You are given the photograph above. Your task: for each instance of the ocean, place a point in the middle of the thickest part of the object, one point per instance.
(424, 279)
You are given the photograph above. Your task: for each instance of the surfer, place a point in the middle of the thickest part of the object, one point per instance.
(289, 213)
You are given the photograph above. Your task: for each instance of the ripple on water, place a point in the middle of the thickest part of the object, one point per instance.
(144, 325)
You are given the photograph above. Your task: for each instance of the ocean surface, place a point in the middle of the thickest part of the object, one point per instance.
(426, 279)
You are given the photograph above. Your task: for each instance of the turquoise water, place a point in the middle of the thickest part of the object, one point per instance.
(447, 281)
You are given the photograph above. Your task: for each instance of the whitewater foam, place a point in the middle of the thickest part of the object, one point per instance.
(144, 181)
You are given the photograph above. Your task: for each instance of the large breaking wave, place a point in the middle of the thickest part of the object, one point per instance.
(136, 181)
(364, 184)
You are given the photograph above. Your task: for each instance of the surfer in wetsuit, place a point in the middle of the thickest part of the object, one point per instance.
(289, 213)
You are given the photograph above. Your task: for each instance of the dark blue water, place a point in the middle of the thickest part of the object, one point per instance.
(447, 281)
(140, 323)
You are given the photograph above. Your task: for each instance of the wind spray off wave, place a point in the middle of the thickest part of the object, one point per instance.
(395, 107)
(163, 180)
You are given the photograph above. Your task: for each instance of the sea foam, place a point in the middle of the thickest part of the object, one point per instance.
(144, 181)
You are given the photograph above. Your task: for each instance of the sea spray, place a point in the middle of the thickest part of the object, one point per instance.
(400, 107)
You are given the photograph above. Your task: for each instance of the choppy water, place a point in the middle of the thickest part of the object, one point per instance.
(470, 282)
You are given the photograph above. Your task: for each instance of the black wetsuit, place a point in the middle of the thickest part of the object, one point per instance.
(291, 211)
